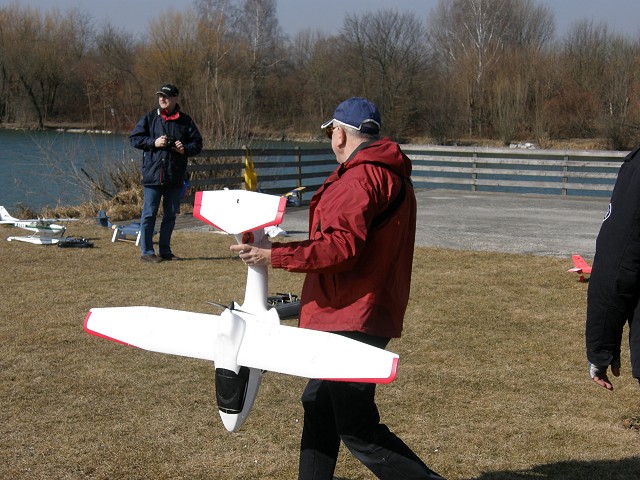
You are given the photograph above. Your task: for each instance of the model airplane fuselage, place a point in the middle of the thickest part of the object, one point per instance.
(245, 340)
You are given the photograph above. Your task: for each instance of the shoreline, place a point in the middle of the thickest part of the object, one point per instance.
(307, 137)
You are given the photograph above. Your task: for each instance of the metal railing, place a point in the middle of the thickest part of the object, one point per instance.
(279, 170)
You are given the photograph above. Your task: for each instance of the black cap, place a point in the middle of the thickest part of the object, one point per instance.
(168, 90)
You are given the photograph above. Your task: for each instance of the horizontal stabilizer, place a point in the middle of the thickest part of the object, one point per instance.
(314, 354)
(238, 211)
(157, 329)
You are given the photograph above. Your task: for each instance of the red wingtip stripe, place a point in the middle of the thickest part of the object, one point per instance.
(100, 335)
(384, 380)
(282, 206)
(86, 321)
(197, 210)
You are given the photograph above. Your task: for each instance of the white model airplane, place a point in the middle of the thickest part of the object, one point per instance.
(45, 231)
(245, 340)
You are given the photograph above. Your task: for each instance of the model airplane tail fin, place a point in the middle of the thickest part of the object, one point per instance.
(581, 263)
(103, 220)
(243, 211)
(5, 216)
(245, 215)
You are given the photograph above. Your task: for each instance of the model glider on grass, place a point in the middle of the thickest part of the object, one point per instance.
(245, 340)
(45, 231)
(581, 267)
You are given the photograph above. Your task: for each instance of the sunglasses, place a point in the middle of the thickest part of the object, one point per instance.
(329, 130)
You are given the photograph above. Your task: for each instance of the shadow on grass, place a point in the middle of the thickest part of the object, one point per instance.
(573, 470)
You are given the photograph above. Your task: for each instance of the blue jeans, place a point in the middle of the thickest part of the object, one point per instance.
(171, 206)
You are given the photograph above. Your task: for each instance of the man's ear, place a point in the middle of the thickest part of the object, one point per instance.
(342, 139)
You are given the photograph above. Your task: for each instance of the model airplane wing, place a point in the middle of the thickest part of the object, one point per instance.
(161, 330)
(314, 354)
(264, 346)
(580, 264)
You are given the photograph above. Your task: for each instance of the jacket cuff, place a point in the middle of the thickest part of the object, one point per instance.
(276, 257)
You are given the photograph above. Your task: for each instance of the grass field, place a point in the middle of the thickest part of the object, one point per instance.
(492, 381)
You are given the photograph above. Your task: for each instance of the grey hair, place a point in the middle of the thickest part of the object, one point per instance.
(354, 132)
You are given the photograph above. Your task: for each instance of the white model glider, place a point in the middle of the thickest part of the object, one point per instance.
(45, 230)
(245, 340)
(35, 225)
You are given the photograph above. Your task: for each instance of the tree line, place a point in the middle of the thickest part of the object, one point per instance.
(470, 69)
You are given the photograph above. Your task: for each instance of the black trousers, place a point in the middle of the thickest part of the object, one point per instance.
(346, 411)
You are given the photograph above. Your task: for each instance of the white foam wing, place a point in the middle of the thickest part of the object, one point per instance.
(264, 346)
(314, 354)
(161, 330)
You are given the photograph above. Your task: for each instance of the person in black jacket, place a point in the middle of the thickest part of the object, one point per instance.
(167, 138)
(614, 286)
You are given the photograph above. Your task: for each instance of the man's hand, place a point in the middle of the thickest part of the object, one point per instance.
(179, 147)
(161, 142)
(252, 255)
(599, 374)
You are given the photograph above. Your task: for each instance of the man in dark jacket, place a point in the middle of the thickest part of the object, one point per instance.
(167, 138)
(357, 262)
(614, 286)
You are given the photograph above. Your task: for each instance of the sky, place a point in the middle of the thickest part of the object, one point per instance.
(620, 16)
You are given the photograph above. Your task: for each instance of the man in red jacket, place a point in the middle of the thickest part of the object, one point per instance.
(357, 261)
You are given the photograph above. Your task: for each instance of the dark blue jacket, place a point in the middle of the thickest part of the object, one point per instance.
(165, 166)
(613, 296)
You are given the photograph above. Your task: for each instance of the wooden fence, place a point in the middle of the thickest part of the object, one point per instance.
(563, 172)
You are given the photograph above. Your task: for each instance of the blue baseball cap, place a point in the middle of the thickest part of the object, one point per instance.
(358, 113)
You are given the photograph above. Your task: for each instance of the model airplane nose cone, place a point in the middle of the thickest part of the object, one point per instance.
(232, 422)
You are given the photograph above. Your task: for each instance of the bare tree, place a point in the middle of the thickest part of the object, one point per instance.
(43, 51)
(619, 87)
(314, 70)
(259, 28)
(386, 52)
(173, 52)
(114, 92)
(5, 78)
(584, 56)
(472, 36)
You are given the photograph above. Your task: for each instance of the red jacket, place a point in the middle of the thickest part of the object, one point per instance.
(358, 269)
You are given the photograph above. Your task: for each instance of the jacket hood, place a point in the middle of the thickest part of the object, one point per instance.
(381, 151)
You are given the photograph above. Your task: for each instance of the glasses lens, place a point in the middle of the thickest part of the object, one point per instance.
(329, 131)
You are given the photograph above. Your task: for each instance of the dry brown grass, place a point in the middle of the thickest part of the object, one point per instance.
(492, 381)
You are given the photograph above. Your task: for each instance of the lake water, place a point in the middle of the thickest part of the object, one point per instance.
(42, 168)
(37, 167)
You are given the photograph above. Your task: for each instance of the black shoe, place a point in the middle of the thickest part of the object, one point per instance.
(169, 256)
(153, 258)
